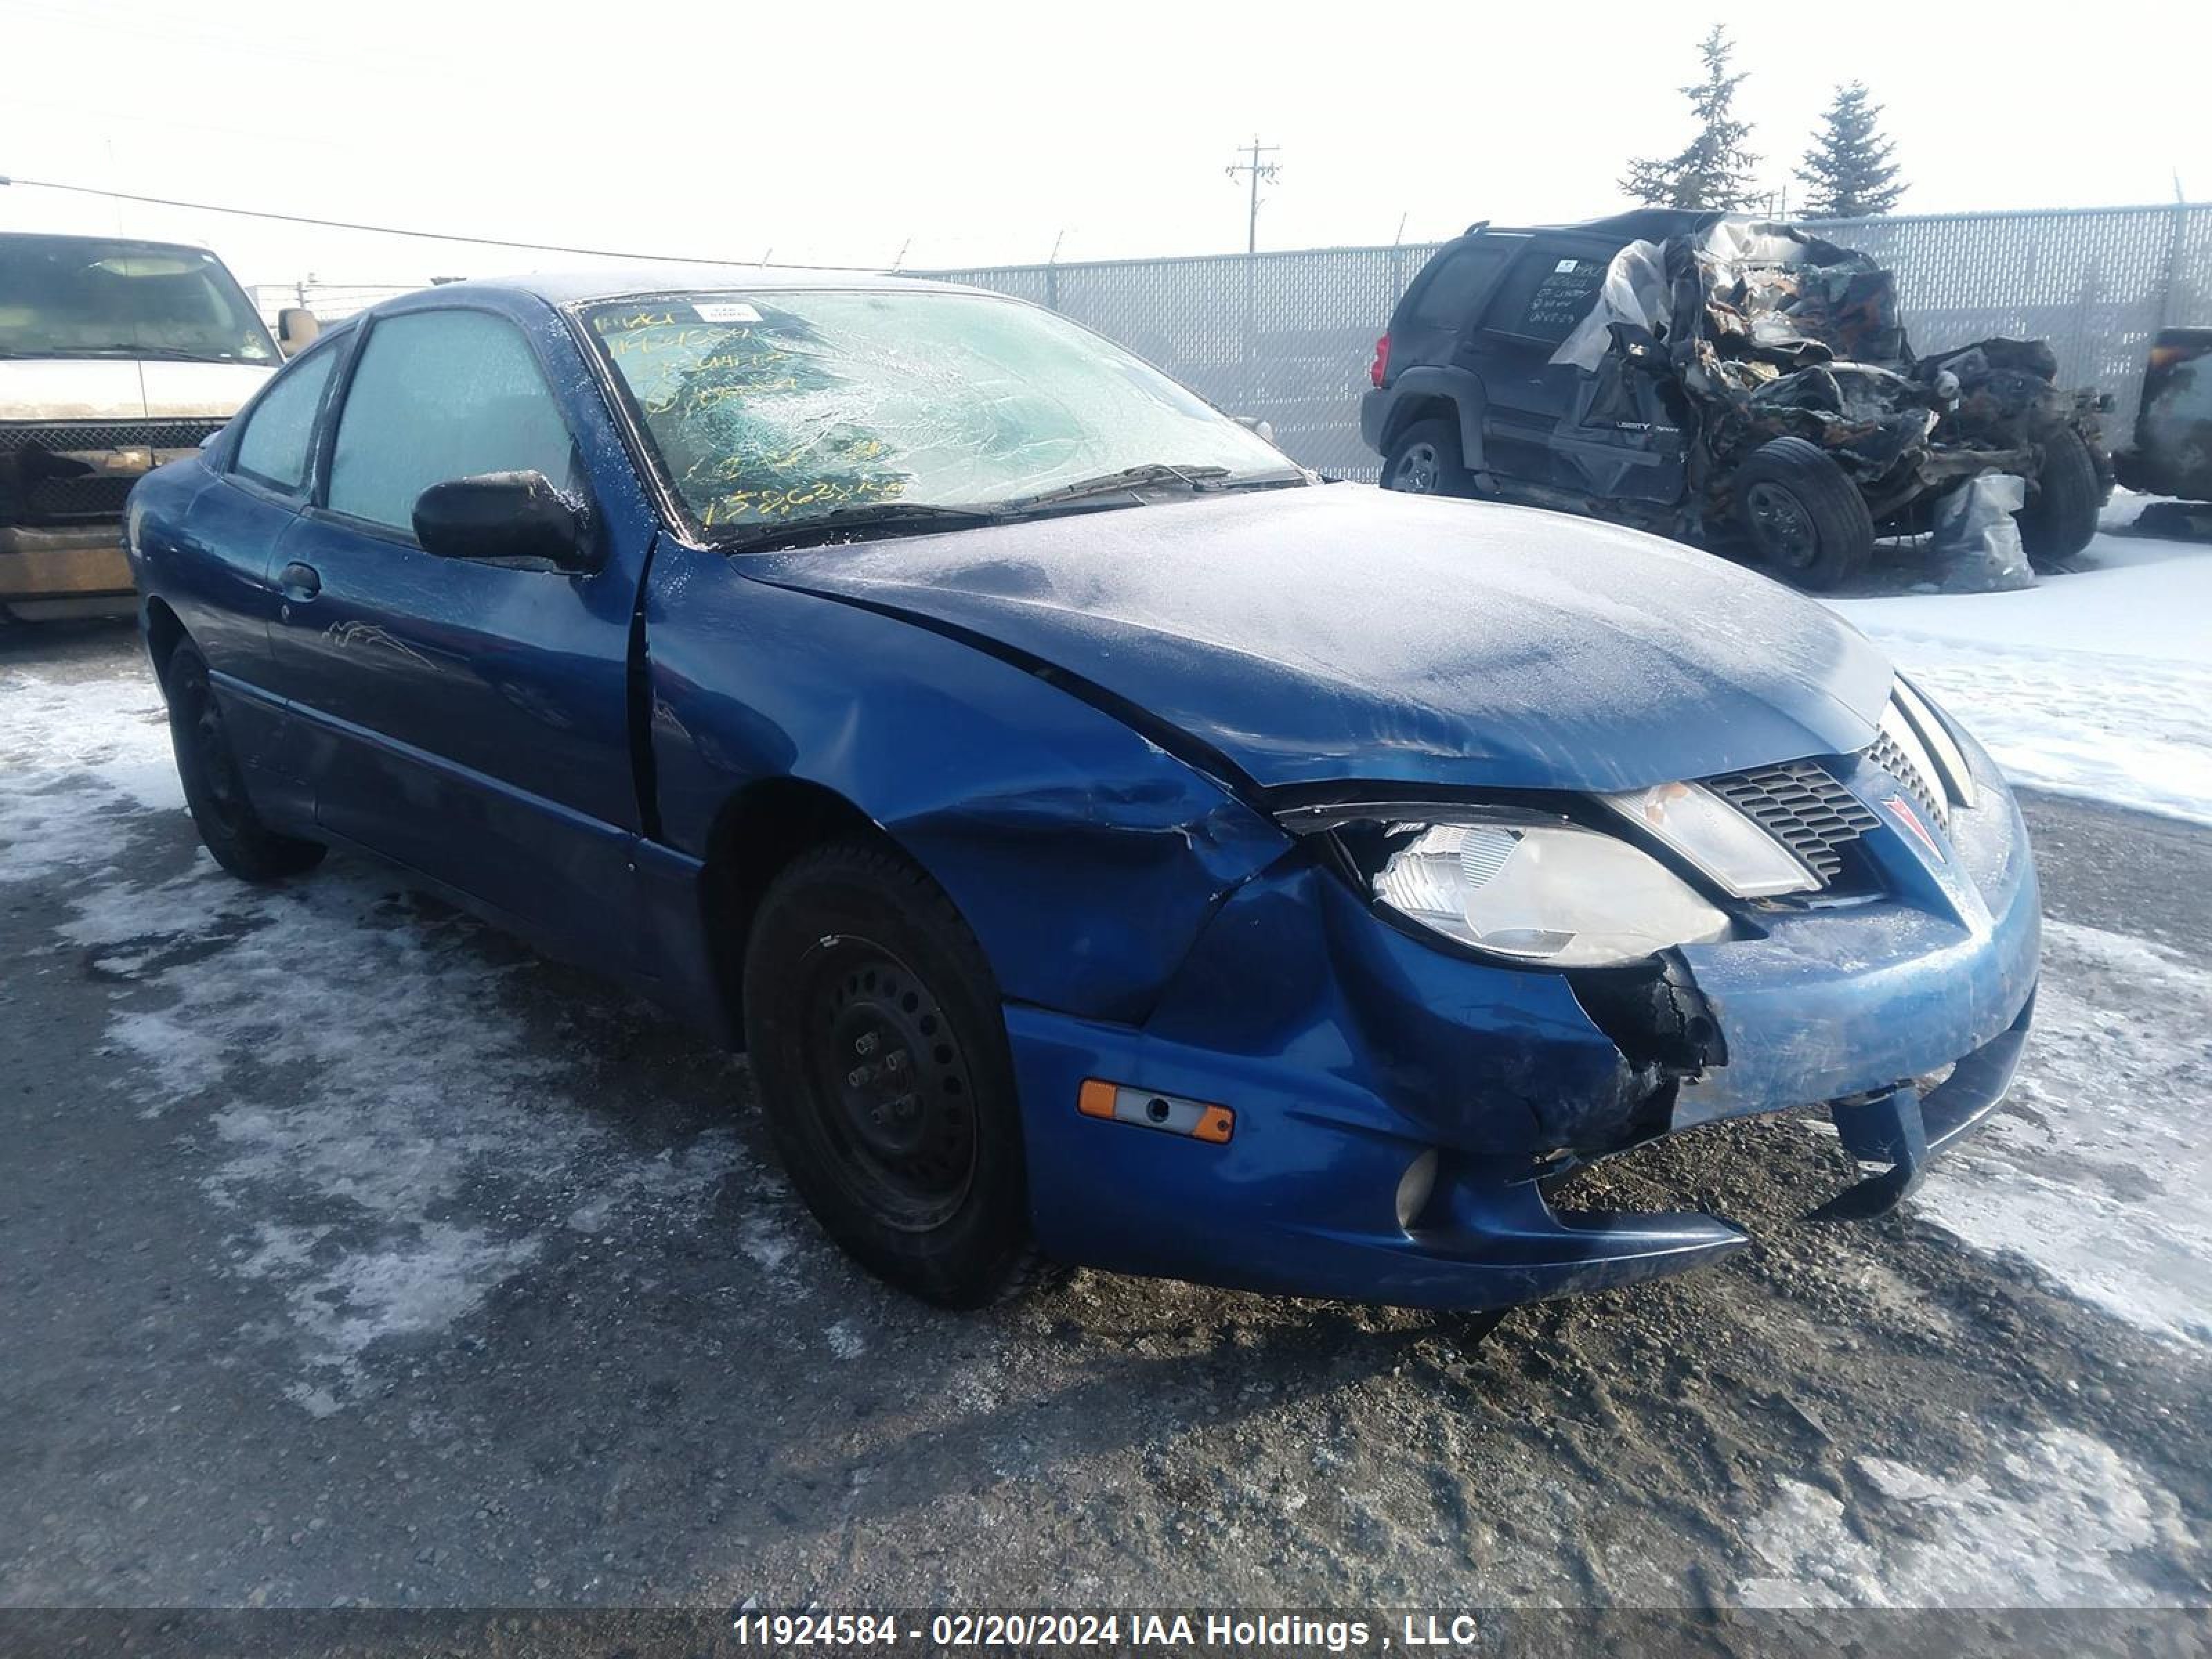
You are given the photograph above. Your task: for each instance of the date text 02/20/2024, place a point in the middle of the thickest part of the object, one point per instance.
(1168, 1631)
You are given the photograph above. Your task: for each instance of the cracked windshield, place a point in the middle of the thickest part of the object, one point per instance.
(776, 408)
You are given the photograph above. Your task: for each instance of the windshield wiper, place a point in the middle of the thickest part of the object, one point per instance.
(165, 353)
(853, 523)
(1151, 473)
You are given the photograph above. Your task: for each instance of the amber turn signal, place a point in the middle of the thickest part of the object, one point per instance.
(1147, 1109)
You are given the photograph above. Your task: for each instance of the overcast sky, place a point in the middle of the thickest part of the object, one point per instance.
(839, 133)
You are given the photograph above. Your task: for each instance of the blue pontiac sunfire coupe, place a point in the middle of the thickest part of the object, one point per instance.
(1111, 843)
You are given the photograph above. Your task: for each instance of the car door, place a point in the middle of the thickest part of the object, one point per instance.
(1549, 288)
(467, 719)
(219, 571)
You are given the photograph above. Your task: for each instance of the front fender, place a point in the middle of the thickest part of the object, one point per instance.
(1085, 858)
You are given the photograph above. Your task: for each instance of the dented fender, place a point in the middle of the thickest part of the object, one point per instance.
(1026, 804)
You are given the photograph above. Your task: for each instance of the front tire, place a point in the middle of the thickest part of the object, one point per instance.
(1804, 518)
(1425, 460)
(872, 1021)
(2061, 515)
(215, 784)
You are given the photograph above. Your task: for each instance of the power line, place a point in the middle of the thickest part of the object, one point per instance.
(420, 235)
(1269, 171)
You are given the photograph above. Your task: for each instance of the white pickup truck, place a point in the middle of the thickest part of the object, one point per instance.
(115, 357)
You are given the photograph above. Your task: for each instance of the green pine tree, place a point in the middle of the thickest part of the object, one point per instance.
(1849, 167)
(1714, 170)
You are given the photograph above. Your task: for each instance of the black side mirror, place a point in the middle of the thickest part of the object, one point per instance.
(1639, 344)
(504, 517)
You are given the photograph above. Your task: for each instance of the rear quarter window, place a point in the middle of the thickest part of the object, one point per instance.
(1452, 290)
(279, 433)
(1548, 293)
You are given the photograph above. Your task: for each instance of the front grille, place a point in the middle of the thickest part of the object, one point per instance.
(37, 490)
(1803, 807)
(108, 434)
(1884, 753)
(63, 501)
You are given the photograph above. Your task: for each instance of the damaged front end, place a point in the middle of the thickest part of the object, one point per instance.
(1399, 1103)
(1773, 333)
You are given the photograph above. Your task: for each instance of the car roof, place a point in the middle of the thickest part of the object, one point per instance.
(1639, 224)
(583, 286)
(136, 243)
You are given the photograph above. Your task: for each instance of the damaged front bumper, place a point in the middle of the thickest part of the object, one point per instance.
(1396, 1105)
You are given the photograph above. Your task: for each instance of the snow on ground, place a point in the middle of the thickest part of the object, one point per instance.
(2098, 1169)
(2053, 1527)
(2097, 682)
(342, 1141)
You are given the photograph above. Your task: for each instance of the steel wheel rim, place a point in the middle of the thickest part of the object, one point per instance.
(896, 1100)
(1416, 470)
(224, 789)
(1781, 524)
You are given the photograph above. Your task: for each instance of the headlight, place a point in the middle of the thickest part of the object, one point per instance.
(1715, 838)
(1544, 893)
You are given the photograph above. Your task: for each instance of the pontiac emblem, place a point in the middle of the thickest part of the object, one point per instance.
(1902, 811)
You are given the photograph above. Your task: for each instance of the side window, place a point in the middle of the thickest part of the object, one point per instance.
(439, 395)
(1548, 293)
(279, 434)
(1457, 283)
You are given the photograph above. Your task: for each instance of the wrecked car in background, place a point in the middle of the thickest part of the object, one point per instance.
(1737, 385)
(2172, 451)
(1011, 752)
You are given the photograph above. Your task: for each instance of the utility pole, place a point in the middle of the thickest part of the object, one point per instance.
(1259, 171)
(1267, 171)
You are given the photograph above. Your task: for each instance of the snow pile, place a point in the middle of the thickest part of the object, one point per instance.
(2096, 683)
(2099, 1170)
(2054, 1527)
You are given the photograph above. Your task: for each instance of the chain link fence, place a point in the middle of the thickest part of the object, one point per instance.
(1288, 335)
(331, 302)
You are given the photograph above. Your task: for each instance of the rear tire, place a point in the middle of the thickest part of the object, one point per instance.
(1806, 521)
(2061, 515)
(872, 1020)
(1425, 460)
(214, 786)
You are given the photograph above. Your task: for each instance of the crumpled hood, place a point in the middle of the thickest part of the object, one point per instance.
(1346, 633)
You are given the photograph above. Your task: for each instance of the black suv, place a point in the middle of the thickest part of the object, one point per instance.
(1733, 384)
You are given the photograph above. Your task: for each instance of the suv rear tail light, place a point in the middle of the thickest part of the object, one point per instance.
(1381, 366)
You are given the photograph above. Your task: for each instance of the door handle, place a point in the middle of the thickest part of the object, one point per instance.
(299, 581)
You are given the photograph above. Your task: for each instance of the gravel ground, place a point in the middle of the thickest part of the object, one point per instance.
(352, 1253)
